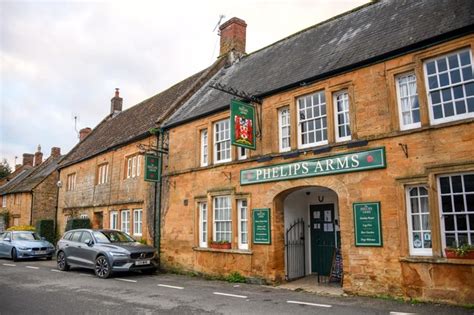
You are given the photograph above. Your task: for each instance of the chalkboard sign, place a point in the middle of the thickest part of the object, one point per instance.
(261, 226)
(367, 225)
(336, 267)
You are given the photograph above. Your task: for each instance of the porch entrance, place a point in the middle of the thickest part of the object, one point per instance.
(312, 234)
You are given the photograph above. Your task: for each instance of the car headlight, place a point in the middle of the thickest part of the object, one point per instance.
(23, 248)
(51, 247)
(118, 254)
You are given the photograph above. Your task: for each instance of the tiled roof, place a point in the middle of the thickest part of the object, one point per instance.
(35, 176)
(360, 37)
(135, 122)
(7, 187)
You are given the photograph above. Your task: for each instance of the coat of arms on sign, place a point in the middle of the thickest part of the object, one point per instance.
(243, 130)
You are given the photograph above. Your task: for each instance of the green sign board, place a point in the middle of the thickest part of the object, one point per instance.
(242, 124)
(152, 168)
(367, 224)
(261, 226)
(343, 163)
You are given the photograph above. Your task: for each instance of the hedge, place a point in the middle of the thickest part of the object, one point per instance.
(22, 228)
(78, 224)
(45, 228)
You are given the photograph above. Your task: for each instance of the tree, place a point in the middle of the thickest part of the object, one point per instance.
(5, 169)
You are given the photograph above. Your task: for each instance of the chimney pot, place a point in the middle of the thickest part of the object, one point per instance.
(233, 36)
(28, 159)
(38, 156)
(116, 103)
(55, 151)
(84, 132)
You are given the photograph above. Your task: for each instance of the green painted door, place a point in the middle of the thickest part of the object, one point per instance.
(323, 242)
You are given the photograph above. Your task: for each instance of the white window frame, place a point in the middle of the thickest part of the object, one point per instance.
(133, 166)
(225, 217)
(242, 207)
(410, 95)
(284, 122)
(4, 201)
(137, 222)
(410, 215)
(103, 173)
(83, 216)
(204, 148)
(462, 83)
(203, 227)
(113, 220)
(222, 138)
(470, 229)
(346, 112)
(242, 153)
(125, 221)
(324, 126)
(139, 165)
(71, 182)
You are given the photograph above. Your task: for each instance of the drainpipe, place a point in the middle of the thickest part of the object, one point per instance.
(157, 212)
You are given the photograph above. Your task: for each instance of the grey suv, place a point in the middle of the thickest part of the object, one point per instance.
(105, 251)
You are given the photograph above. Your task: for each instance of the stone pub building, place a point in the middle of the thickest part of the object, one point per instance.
(364, 147)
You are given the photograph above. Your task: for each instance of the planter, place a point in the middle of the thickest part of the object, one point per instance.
(220, 245)
(451, 253)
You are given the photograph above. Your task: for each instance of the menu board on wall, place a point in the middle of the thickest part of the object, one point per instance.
(367, 224)
(261, 226)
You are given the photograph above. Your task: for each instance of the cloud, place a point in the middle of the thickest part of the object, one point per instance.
(61, 59)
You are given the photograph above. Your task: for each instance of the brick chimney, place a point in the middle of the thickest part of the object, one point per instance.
(116, 103)
(28, 159)
(38, 156)
(84, 132)
(55, 152)
(233, 35)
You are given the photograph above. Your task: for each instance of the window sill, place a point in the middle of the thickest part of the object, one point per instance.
(436, 260)
(228, 251)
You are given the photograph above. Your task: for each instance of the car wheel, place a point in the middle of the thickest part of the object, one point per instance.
(102, 267)
(14, 254)
(62, 263)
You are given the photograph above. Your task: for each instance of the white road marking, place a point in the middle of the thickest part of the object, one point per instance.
(10, 265)
(170, 286)
(402, 313)
(56, 270)
(32, 267)
(126, 280)
(306, 303)
(85, 275)
(232, 295)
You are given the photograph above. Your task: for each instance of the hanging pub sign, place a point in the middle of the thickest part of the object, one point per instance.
(242, 124)
(152, 168)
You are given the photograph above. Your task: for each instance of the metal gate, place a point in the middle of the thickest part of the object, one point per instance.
(295, 250)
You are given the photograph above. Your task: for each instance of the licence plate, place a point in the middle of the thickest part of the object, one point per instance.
(142, 262)
(40, 252)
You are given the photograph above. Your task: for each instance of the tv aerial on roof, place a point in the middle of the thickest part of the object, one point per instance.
(221, 17)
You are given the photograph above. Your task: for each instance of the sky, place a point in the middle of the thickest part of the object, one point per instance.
(64, 59)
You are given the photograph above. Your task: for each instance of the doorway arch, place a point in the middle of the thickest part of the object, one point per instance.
(311, 228)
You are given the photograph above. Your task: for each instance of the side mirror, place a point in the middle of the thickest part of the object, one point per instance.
(89, 243)
(7, 239)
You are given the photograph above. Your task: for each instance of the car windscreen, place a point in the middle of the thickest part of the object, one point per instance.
(25, 236)
(112, 237)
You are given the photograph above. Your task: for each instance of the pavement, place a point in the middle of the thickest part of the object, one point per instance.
(37, 287)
